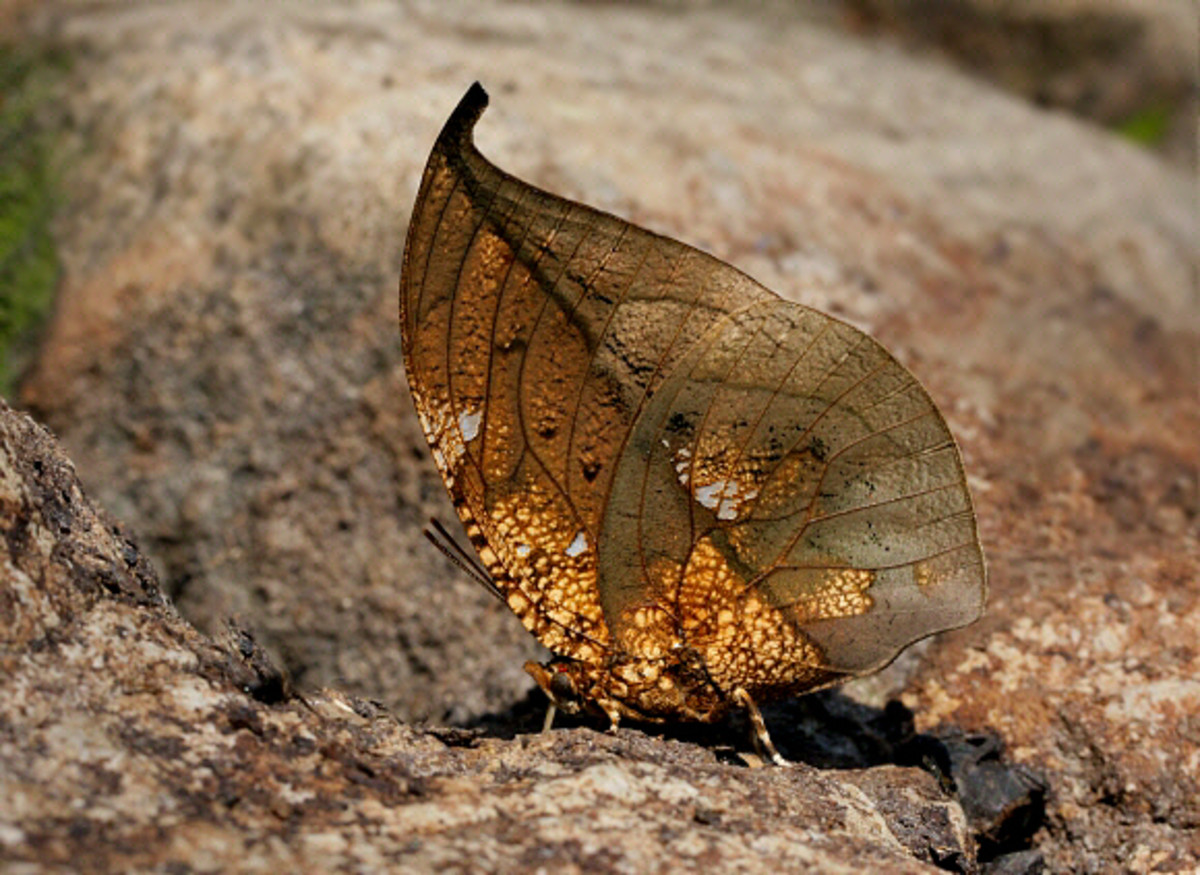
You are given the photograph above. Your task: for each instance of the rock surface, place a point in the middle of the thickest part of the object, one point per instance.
(130, 741)
(224, 368)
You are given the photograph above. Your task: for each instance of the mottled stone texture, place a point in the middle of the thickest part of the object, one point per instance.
(223, 367)
(130, 741)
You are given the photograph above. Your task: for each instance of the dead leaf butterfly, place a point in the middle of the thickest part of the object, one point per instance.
(696, 494)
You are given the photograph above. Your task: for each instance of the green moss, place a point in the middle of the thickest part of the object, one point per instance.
(28, 262)
(1147, 126)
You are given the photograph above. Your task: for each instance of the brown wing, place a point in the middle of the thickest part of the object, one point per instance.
(813, 483)
(644, 443)
(534, 330)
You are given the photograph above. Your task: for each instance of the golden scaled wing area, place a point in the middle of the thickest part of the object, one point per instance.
(552, 583)
(743, 641)
(540, 560)
(494, 368)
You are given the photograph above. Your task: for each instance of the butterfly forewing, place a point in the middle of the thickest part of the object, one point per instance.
(652, 452)
(534, 328)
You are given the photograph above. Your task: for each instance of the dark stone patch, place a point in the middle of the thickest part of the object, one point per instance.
(1005, 803)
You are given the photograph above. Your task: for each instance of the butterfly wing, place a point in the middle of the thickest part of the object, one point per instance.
(534, 329)
(813, 488)
(629, 427)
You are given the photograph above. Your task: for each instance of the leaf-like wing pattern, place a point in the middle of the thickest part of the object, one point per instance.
(657, 458)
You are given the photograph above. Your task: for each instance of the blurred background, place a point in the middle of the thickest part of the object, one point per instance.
(203, 209)
(202, 213)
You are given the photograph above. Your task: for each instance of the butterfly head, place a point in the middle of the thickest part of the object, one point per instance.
(563, 681)
(649, 690)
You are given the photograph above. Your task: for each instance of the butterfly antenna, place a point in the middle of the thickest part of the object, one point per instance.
(465, 555)
(437, 535)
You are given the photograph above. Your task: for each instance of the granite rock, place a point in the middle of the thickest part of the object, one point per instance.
(130, 741)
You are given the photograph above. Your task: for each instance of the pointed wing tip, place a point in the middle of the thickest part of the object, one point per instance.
(456, 134)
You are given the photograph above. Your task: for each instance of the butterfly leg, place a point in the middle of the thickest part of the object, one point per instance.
(762, 739)
(614, 716)
(548, 723)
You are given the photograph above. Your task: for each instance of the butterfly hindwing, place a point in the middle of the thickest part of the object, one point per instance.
(812, 480)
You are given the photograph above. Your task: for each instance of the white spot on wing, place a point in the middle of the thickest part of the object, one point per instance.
(468, 424)
(578, 546)
(522, 550)
(710, 495)
(722, 496)
(683, 464)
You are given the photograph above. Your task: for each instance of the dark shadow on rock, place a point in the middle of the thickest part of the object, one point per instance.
(1004, 802)
(525, 716)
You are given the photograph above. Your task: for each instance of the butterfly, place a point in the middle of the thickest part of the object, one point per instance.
(697, 495)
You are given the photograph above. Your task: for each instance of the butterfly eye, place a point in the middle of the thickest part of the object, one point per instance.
(563, 687)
